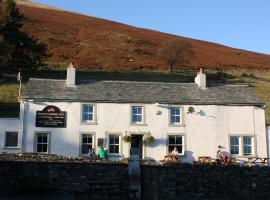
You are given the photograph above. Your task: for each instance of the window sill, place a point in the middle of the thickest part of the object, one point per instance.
(88, 123)
(242, 156)
(114, 155)
(176, 125)
(143, 124)
(10, 148)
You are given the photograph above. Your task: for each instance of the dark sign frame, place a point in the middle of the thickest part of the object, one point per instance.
(51, 117)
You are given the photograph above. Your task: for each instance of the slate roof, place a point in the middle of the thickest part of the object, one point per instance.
(140, 92)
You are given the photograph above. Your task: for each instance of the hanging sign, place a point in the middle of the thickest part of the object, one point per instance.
(51, 116)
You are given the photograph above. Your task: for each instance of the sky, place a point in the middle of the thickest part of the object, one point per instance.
(243, 24)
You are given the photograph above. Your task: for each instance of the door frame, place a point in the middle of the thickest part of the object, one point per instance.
(143, 145)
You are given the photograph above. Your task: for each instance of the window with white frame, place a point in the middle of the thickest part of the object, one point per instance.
(176, 141)
(175, 115)
(42, 143)
(11, 139)
(86, 143)
(114, 145)
(137, 114)
(242, 145)
(88, 113)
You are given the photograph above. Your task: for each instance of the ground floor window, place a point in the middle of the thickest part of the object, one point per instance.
(86, 143)
(11, 139)
(242, 145)
(114, 144)
(42, 143)
(176, 141)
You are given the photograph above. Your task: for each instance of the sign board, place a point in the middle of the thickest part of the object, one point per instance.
(101, 142)
(51, 116)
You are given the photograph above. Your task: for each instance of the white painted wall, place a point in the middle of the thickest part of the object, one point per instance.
(12, 125)
(204, 130)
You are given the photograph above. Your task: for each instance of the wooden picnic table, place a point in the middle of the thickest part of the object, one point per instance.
(257, 160)
(170, 159)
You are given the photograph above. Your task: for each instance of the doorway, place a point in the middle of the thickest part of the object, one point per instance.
(136, 145)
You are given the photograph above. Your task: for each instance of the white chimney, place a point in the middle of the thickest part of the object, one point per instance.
(200, 79)
(71, 76)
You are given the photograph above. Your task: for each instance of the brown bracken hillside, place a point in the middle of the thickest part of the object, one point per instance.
(98, 44)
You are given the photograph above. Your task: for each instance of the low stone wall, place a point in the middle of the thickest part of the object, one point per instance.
(158, 182)
(205, 182)
(66, 177)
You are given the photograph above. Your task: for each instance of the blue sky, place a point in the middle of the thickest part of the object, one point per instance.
(243, 24)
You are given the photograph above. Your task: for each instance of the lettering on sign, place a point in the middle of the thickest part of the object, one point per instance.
(51, 116)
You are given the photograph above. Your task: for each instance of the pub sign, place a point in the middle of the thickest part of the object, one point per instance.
(51, 116)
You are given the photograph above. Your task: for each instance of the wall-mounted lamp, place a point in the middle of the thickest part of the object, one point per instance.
(191, 110)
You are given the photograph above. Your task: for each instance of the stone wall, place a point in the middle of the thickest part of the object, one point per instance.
(205, 182)
(66, 177)
(158, 182)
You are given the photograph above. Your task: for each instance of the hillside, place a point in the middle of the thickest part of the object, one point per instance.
(98, 44)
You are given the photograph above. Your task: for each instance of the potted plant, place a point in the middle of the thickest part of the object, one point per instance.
(149, 139)
(126, 138)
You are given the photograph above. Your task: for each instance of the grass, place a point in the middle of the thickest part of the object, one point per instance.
(258, 80)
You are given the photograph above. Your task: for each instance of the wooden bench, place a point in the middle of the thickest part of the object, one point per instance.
(260, 161)
(204, 160)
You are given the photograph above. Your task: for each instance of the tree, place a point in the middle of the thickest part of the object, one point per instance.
(176, 52)
(24, 51)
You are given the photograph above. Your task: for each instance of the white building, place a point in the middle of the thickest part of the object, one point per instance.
(66, 117)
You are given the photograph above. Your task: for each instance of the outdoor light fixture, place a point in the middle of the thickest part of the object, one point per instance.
(191, 110)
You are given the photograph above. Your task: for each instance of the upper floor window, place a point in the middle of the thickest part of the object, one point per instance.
(11, 139)
(175, 116)
(137, 116)
(242, 145)
(88, 114)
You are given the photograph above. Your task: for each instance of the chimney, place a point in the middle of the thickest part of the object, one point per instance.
(71, 76)
(200, 79)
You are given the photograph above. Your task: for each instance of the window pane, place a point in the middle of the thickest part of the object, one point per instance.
(11, 139)
(139, 118)
(85, 148)
(171, 147)
(116, 149)
(44, 148)
(39, 148)
(234, 141)
(111, 140)
(111, 148)
(171, 140)
(84, 139)
(39, 139)
(179, 149)
(247, 150)
(179, 140)
(247, 140)
(177, 119)
(116, 141)
(44, 138)
(89, 140)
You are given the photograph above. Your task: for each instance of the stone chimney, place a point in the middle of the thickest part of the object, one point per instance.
(71, 76)
(200, 79)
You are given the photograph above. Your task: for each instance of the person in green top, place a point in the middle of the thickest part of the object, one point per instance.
(102, 153)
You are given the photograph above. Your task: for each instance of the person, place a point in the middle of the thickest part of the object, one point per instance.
(102, 153)
(91, 154)
(174, 152)
(223, 157)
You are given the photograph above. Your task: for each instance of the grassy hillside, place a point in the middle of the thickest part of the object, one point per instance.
(98, 44)
(258, 80)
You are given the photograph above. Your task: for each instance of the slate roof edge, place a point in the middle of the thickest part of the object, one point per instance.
(144, 102)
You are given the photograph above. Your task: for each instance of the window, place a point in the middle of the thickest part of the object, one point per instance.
(42, 142)
(247, 144)
(11, 139)
(176, 141)
(87, 113)
(175, 115)
(86, 143)
(234, 145)
(114, 144)
(242, 145)
(137, 115)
